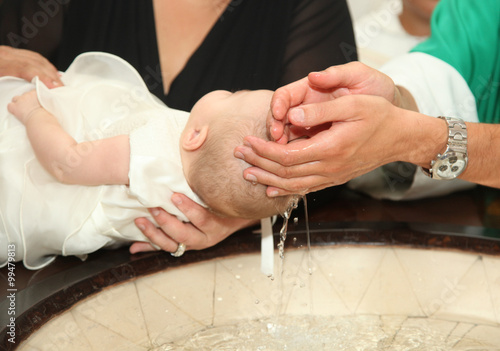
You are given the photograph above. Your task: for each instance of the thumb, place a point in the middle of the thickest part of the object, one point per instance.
(311, 115)
(347, 76)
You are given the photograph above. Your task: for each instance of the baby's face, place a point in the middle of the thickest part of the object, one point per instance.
(242, 104)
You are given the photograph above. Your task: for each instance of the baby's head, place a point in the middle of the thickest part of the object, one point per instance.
(218, 123)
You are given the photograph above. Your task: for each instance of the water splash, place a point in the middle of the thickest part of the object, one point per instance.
(320, 333)
(284, 228)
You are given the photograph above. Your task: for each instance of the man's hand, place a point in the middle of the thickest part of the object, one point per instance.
(334, 82)
(360, 133)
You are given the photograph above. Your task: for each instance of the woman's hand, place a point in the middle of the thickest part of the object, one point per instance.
(360, 133)
(204, 229)
(334, 82)
(22, 107)
(28, 64)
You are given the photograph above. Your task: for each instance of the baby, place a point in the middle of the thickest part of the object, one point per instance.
(106, 150)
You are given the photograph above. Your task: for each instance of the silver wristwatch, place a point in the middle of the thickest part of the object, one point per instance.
(453, 161)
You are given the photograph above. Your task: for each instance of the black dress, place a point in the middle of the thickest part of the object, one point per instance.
(255, 44)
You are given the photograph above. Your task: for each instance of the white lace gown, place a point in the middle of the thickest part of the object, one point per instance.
(103, 96)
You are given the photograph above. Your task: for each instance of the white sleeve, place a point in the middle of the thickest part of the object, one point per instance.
(437, 87)
(155, 166)
(439, 90)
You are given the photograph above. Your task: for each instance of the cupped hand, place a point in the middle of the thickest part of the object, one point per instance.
(327, 85)
(23, 106)
(203, 230)
(28, 64)
(360, 133)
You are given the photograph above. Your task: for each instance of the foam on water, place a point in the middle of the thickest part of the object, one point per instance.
(339, 333)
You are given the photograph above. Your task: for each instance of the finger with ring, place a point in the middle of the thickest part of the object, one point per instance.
(180, 250)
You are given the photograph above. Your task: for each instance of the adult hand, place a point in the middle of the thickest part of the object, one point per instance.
(360, 133)
(203, 230)
(27, 64)
(317, 87)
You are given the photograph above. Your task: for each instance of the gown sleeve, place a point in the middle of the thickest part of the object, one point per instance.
(320, 36)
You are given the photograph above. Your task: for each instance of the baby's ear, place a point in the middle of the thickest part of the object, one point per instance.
(194, 138)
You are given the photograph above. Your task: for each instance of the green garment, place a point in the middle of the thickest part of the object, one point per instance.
(466, 35)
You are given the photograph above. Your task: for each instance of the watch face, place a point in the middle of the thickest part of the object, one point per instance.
(450, 165)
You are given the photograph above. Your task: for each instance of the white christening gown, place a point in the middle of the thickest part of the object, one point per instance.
(103, 96)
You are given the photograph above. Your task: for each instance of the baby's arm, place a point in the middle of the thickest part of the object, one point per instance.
(96, 162)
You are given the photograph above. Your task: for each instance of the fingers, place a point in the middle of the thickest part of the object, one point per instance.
(284, 186)
(50, 80)
(302, 188)
(156, 235)
(275, 129)
(298, 152)
(204, 229)
(283, 99)
(140, 246)
(317, 114)
(288, 96)
(37, 65)
(346, 75)
(27, 64)
(44, 70)
(268, 166)
(247, 154)
(296, 178)
(198, 215)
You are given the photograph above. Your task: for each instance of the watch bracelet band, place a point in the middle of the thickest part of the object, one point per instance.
(457, 134)
(457, 140)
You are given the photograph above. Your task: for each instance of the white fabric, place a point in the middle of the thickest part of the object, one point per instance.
(103, 96)
(267, 247)
(381, 37)
(439, 90)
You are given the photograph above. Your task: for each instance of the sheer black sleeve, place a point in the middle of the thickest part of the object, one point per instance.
(320, 36)
(32, 24)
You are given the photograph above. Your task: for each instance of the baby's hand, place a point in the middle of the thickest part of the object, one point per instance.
(22, 107)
